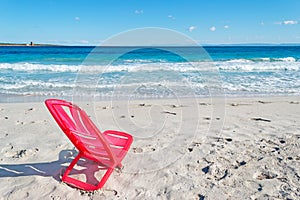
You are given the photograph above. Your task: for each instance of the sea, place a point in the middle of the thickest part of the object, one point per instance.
(38, 72)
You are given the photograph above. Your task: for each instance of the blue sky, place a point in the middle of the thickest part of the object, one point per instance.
(88, 22)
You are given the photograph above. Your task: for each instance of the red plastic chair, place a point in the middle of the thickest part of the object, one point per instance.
(107, 149)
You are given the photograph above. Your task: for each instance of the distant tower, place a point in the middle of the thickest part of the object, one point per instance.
(31, 44)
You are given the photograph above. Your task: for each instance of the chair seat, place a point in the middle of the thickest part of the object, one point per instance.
(119, 147)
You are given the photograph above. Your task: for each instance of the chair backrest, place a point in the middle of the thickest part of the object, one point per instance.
(80, 129)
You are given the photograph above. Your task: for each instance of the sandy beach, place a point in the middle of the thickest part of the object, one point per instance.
(255, 155)
(208, 90)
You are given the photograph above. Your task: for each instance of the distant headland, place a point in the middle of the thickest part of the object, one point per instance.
(30, 44)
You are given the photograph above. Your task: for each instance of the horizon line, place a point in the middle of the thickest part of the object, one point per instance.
(161, 45)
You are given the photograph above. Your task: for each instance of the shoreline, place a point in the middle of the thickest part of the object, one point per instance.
(5, 99)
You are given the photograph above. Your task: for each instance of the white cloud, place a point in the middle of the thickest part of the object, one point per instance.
(77, 18)
(226, 27)
(287, 22)
(192, 28)
(292, 22)
(213, 28)
(171, 17)
(138, 12)
(262, 23)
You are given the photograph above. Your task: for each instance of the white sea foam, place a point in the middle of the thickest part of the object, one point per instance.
(243, 65)
(263, 64)
(232, 65)
(39, 67)
(286, 59)
(237, 76)
(239, 61)
(265, 59)
(23, 84)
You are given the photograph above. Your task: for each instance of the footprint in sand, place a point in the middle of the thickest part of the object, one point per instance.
(4, 135)
(10, 152)
(264, 102)
(137, 150)
(29, 110)
(204, 104)
(6, 150)
(26, 152)
(20, 122)
(265, 175)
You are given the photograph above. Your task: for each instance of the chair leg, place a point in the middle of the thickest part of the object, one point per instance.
(74, 182)
(81, 184)
(104, 178)
(71, 166)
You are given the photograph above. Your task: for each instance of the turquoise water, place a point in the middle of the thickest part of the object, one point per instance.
(59, 71)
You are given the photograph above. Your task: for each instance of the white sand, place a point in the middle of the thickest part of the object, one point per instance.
(177, 153)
